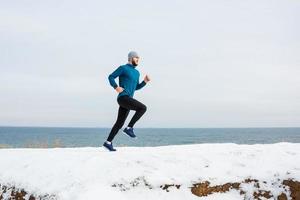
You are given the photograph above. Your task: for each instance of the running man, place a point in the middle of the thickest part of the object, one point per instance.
(128, 83)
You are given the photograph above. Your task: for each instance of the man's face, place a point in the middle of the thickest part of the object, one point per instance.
(135, 61)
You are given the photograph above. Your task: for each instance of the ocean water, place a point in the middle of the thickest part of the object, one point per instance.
(19, 137)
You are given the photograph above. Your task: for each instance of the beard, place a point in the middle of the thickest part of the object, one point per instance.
(134, 63)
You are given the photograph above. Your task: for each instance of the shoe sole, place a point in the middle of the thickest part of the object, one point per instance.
(107, 149)
(129, 135)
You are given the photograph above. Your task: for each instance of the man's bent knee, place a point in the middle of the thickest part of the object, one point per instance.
(144, 108)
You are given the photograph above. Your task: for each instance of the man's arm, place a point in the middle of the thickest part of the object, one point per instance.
(140, 85)
(114, 75)
(143, 83)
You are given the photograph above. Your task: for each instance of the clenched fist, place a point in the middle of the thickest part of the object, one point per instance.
(119, 89)
(147, 78)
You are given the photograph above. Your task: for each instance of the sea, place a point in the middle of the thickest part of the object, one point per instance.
(47, 137)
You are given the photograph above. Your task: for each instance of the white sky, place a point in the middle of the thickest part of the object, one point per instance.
(212, 63)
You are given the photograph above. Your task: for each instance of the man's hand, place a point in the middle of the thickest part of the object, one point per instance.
(119, 89)
(147, 79)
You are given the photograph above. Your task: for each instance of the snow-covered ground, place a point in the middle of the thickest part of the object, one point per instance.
(138, 172)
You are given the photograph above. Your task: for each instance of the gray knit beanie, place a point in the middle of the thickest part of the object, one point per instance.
(132, 54)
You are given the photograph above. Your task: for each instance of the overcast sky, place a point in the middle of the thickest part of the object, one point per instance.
(212, 63)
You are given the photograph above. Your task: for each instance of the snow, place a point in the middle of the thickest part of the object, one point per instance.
(89, 172)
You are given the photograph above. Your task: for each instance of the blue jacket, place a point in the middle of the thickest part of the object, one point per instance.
(128, 79)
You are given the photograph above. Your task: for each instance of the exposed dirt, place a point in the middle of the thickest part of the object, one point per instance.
(204, 189)
(13, 193)
(294, 188)
(290, 186)
(167, 186)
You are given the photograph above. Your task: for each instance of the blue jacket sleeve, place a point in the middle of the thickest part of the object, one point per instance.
(140, 85)
(114, 75)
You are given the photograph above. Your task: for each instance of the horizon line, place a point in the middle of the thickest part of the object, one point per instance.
(17, 126)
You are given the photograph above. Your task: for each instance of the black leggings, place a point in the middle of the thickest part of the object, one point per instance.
(126, 104)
